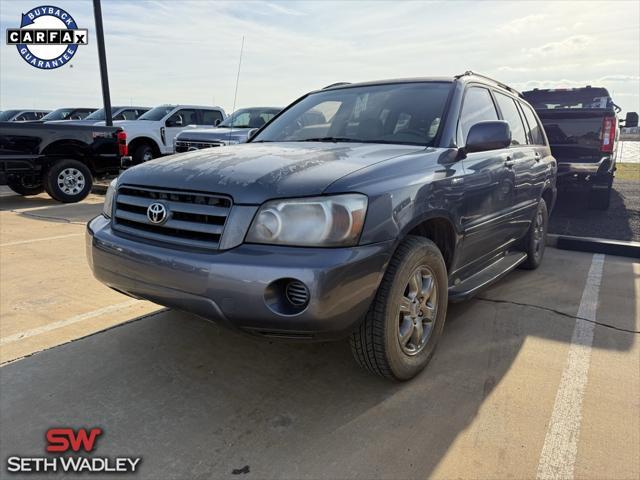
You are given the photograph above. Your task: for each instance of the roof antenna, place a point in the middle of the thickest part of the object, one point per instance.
(235, 95)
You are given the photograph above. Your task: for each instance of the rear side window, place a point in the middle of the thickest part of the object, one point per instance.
(127, 115)
(209, 117)
(535, 130)
(510, 113)
(183, 118)
(477, 107)
(26, 116)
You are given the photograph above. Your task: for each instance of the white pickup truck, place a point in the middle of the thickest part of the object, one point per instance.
(152, 134)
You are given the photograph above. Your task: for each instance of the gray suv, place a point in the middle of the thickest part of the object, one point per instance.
(398, 197)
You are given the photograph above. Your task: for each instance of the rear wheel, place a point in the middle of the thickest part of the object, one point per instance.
(25, 186)
(68, 181)
(400, 332)
(535, 241)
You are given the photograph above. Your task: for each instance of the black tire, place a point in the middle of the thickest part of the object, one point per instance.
(600, 198)
(56, 187)
(535, 241)
(143, 153)
(25, 186)
(376, 342)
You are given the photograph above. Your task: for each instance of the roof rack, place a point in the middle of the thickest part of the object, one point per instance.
(503, 85)
(337, 84)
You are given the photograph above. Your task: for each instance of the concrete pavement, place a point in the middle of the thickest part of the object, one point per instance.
(197, 401)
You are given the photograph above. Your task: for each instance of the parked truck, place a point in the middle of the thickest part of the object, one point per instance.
(582, 127)
(153, 133)
(60, 159)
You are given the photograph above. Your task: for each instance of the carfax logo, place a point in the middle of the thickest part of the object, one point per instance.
(48, 37)
(69, 445)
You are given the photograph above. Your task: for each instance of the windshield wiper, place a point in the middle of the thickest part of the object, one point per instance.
(327, 139)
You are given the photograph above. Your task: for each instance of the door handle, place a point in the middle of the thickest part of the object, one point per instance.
(509, 162)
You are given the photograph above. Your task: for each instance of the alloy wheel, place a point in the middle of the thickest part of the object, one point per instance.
(418, 310)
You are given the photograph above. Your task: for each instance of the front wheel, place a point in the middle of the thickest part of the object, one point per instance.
(535, 240)
(68, 181)
(399, 334)
(143, 153)
(25, 186)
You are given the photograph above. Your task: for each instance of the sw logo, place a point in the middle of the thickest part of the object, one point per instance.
(48, 37)
(65, 439)
(79, 442)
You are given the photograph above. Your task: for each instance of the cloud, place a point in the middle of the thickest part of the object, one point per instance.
(280, 8)
(165, 51)
(519, 25)
(569, 46)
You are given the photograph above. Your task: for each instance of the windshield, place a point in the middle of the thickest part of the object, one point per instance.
(8, 115)
(249, 117)
(403, 113)
(60, 114)
(157, 113)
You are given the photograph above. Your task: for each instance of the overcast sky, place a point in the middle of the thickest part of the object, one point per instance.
(187, 51)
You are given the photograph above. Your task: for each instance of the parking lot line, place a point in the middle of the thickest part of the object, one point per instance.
(558, 457)
(69, 321)
(31, 240)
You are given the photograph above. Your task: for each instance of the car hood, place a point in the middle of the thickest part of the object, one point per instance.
(255, 172)
(209, 134)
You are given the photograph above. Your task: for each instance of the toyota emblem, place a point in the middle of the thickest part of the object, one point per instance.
(157, 213)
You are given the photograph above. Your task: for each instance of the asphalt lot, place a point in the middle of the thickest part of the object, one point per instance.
(518, 387)
(620, 222)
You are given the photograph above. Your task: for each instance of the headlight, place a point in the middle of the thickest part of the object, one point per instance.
(107, 208)
(320, 221)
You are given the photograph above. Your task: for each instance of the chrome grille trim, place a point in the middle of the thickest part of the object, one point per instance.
(195, 219)
(195, 145)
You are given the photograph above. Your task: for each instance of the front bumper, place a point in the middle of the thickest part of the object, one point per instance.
(230, 286)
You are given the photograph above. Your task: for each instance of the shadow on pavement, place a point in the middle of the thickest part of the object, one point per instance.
(12, 202)
(197, 401)
(621, 221)
(42, 207)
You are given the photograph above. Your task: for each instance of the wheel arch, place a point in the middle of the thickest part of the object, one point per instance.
(441, 231)
(549, 196)
(141, 140)
(73, 149)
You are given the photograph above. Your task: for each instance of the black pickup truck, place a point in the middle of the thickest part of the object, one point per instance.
(582, 128)
(61, 159)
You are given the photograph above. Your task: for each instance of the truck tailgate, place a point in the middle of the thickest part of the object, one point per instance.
(574, 135)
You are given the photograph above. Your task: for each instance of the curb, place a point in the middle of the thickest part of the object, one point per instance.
(594, 245)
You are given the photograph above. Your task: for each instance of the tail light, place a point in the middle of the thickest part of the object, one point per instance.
(608, 134)
(123, 148)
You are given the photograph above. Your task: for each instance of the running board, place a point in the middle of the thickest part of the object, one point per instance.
(484, 278)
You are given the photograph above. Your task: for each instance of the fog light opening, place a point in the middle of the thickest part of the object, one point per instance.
(297, 293)
(287, 296)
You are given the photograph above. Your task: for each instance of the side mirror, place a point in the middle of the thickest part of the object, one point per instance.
(631, 120)
(174, 122)
(252, 133)
(489, 135)
(216, 122)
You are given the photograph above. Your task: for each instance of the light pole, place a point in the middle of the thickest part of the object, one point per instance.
(102, 56)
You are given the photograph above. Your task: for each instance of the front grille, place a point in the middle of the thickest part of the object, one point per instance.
(192, 219)
(187, 145)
